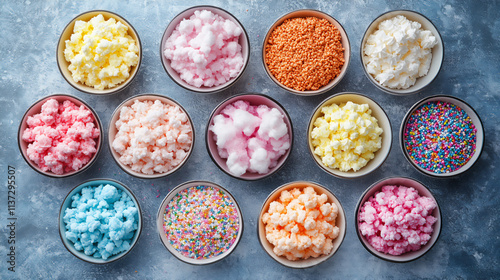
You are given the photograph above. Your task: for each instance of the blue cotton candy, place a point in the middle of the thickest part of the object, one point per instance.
(101, 221)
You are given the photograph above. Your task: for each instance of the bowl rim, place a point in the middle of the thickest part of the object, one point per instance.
(155, 175)
(389, 90)
(433, 174)
(172, 193)
(229, 83)
(306, 184)
(325, 88)
(239, 96)
(98, 144)
(123, 84)
(327, 169)
(357, 210)
(115, 183)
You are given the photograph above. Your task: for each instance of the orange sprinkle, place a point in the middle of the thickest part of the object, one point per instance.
(305, 53)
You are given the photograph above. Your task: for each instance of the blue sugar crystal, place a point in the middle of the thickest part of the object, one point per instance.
(101, 221)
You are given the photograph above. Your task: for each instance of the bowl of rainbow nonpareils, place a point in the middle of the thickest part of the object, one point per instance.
(199, 222)
(442, 136)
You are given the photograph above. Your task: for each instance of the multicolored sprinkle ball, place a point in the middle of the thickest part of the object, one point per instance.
(440, 137)
(201, 222)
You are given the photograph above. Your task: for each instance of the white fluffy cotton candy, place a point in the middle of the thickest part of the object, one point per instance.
(204, 49)
(251, 138)
(399, 52)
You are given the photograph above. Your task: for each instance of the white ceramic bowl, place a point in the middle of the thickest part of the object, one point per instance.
(383, 122)
(422, 191)
(112, 131)
(254, 99)
(472, 115)
(345, 44)
(66, 35)
(244, 41)
(67, 203)
(166, 242)
(340, 222)
(437, 51)
(36, 109)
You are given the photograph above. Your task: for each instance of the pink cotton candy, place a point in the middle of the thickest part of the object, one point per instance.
(397, 220)
(251, 138)
(62, 137)
(204, 49)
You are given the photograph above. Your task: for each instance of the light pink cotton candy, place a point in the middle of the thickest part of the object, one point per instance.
(204, 49)
(397, 220)
(252, 138)
(62, 137)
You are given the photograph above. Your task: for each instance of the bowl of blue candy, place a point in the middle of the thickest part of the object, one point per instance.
(100, 221)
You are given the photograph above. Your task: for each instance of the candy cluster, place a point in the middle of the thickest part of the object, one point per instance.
(101, 221)
(440, 137)
(301, 224)
(201, 222)
(62, 137)
(397, 220)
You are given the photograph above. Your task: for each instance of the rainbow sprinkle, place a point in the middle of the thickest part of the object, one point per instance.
(440, 137)
(201, 222)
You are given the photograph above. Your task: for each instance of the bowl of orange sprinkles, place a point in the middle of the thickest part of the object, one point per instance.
(306, 52)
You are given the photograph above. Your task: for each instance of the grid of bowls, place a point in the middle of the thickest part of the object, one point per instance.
(377, 111)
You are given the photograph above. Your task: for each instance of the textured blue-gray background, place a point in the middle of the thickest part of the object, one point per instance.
(469, 243)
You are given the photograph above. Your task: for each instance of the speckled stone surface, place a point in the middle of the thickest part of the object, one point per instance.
(469, 242)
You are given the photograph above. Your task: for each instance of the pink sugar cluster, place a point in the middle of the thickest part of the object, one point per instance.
(251, 138)
(62, 137)
(152, 136)
(397, 220)
(204, 49)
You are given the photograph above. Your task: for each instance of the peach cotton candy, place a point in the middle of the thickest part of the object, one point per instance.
(251, 138)
(301, 224)
(62, 137)
(397, 220)
(152, 136)
(204, 49)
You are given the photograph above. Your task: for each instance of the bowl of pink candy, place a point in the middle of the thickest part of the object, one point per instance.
(249, 136)
(398, 219)
(60, 136)
(150, 136)
(205, 49)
